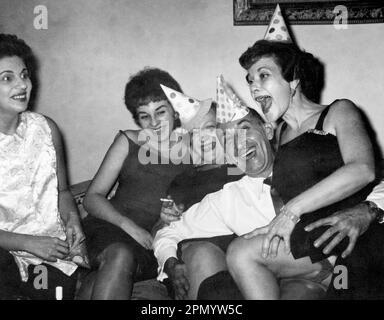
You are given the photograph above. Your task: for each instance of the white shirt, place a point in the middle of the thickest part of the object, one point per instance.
(239, 207)
(377, 195)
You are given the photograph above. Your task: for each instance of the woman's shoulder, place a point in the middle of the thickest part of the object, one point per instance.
(343, 109)
(342, 112)
(130, 136)
(34, 116)
(40, 121)
(125, 140)
(341, 106)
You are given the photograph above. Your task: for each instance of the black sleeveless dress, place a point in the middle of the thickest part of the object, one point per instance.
(141, 185)
(192, 185)
(300, 164)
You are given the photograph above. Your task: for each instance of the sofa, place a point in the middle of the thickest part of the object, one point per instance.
(292, 289)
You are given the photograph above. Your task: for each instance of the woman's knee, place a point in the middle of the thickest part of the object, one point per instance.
(202, 252)
(119, 254)
(242, 250)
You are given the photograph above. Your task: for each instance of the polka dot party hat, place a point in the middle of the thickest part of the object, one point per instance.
(191, 111)
(229, 106)
(277, 29)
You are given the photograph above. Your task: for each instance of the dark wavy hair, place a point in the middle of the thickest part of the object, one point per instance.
(144, 87)
(11, 45)
(293, 62)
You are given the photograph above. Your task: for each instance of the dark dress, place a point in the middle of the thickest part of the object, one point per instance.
(194, 184)
(300, 164)
(137, 197)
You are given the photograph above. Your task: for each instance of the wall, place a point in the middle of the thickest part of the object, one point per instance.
(92, 46)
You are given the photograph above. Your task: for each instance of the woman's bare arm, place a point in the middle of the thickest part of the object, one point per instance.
(12, 241)
(67, 206)
(95, 200)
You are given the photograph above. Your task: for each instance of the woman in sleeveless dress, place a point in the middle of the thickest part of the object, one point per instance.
(324, 163)
(39, 223)
(118, 230)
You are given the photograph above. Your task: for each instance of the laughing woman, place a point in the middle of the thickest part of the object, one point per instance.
(118, 230)
(39, 223)
(323, 164)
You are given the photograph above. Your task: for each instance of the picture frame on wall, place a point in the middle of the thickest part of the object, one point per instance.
(259, 12)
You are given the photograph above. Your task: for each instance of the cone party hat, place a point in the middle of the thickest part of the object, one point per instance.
(190, 110)
(230, 107)
(277, 29)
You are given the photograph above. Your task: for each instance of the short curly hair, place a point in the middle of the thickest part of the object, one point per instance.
(144, 87)
(11, 45)
(294, 64)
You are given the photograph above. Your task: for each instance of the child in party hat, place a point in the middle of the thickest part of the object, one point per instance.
(198, 118)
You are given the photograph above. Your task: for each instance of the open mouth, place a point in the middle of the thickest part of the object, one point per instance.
(157, 130)
(250, 153)
(265, 102)
(20, 97)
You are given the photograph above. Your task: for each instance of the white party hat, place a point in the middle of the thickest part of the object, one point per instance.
(229, 106)
(190, 110)
(277, 29)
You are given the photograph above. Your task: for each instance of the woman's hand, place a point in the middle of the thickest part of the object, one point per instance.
(280, 228)
(142, 236)
(171, 212)
(73, 230)
(47, 248)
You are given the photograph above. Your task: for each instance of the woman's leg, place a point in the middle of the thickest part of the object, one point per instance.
(203, 259)
(116, 270)
(256, 276)
(86, 288)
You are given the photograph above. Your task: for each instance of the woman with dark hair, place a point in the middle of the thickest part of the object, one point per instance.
(118, 230)
(324, 163)
(39, 223)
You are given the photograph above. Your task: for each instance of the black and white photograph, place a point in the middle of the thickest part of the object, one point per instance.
(191, 155)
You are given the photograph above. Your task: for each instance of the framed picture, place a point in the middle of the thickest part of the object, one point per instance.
(249, 12)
